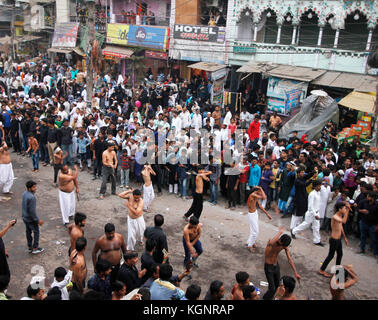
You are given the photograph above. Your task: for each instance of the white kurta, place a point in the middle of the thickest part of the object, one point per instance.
(6, 177)
(67, 204)
(311, 213)
(135, 230)
(148, 195)
(324, 195)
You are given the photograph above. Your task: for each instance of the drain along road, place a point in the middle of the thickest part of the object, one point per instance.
(224, 239)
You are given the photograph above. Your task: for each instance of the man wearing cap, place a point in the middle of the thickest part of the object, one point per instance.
(110, 162)
(312, 216)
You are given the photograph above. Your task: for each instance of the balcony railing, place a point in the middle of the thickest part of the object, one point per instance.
(144, 20)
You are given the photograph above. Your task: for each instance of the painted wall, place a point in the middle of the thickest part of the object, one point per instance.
(188, 12)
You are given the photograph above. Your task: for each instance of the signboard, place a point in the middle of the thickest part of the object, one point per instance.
(285, 94)
(156, 55)
(65, 35)
(200, 33)
(237, 49)
(140, 36)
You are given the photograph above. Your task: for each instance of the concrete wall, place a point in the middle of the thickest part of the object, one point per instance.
(188, 12)
(62, 11)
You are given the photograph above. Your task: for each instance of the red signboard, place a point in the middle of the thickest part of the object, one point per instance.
(156, 55)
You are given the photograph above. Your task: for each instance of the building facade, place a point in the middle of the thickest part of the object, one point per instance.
(332, 35)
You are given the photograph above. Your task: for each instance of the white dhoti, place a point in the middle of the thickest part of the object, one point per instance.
(309, 220)
(67, 202)
(6, 177)
(148, 195)
(253, 218)
(135, 231)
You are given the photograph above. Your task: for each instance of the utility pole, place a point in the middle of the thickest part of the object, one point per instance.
(90, 41)
(13, 56)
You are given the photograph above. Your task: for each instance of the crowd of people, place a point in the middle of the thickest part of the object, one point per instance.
(144, 134)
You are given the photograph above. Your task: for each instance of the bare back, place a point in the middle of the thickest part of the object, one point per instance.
(111, 249)
(65, 182)
(4, 155)
(252, 207)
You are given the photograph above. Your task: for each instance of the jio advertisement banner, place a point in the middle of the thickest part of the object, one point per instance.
(140, 36)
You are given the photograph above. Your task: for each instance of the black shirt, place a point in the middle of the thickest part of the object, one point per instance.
(147, 263)
(43, 130)
(158, 235)
(99, 148)
(371, 218)
(129, 276)
(66, 135)
(52, 135)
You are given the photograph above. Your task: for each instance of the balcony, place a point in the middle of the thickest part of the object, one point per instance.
(143, 20)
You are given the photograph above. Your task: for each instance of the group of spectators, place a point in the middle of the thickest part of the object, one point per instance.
(47, 108)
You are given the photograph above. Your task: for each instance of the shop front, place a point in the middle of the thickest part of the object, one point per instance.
(63, 47)
(216, 74)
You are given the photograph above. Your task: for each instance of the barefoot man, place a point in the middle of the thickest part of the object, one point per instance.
(148, 189)
(197, 205)
(67, 181)
(272, 269)
(135, 220)
(109, 160)
(192, 245)
(110, 245)
(253, 217)
(6, 170)
(335, 244)
(75, 230)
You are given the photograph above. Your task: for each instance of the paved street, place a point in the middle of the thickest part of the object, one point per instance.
(224, 239)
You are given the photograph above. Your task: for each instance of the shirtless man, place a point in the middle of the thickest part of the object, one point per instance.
(253, 217)
(272, 269)
(110, 245)
(148, 189)
(337, 287)
(242, 279)
(192, 245)
(78, 265)
(75, 230)
(67, 181)
(335, 244)
(135, 220)
(109, 160)
(286, 289)
(58, 162)
(34, 146)
(6, 170)
(197, 205)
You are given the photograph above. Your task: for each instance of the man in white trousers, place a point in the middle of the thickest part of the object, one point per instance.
(67, 182)
(312, 216)
(253, 202)
(135, 220)
(148, 188)
(6, 169)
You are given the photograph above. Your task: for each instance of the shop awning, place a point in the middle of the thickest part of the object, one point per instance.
(207, 66)
(359, 101)
(60, 50)
(358, 82)
(282, 71)
(257, 67)
(117, 52)
(79, 51)
(295, 73)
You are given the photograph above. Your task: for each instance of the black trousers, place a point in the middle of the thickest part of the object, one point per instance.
(335, 245)
(232, 196)
(197, 205)
(272, 273)
(16, 143)
(97, 167)
(57, 167)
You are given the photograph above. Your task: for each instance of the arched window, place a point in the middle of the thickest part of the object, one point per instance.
(355, 34)
(308, 32)
(271, 27)
(245, 27)
(287, 30)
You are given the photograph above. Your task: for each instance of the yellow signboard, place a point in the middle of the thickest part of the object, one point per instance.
(117, 33)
